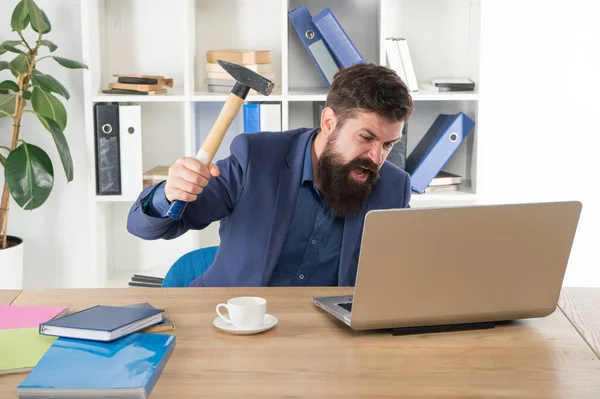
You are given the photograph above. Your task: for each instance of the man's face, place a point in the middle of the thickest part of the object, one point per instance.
(354, 153)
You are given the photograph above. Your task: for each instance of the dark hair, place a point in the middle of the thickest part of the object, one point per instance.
(370, 88)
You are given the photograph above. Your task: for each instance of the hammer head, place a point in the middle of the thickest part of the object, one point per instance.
(246, 80)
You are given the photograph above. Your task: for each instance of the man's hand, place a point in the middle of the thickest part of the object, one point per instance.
(187, 178)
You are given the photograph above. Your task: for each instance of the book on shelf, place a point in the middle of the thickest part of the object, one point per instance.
(239, 56)
(449, 85)
(262, 117)
(138, 84)
(400, 60)
(155, 175)
(258, 68)
(218, 80)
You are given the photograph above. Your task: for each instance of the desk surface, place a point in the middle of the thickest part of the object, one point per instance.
(310, 354)
(8, 296)
(582, 308)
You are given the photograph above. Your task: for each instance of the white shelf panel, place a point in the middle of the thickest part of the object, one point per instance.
(426, 95)
(307, 94)
(116, 198)
(134, 98)
(207, 96)
(443, 196)
(320, 94)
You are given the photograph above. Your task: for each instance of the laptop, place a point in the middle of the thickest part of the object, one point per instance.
(458, 267)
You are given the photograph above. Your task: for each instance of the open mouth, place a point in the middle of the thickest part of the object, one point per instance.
(360, 174)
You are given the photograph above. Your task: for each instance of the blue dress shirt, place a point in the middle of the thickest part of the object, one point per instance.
(311, 252)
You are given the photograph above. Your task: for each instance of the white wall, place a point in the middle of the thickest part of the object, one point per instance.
(540, 102)
(539, 107)
(56, 242)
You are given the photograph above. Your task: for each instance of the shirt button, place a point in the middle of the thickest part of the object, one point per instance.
(301, 277)
(314, 241)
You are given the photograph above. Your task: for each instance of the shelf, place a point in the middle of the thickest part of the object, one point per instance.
(136, 98)
(206, 96)
(307, 94)
(116, 198)
(443, 196)
(426, 95)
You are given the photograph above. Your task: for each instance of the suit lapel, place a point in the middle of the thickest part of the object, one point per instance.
(287, 192)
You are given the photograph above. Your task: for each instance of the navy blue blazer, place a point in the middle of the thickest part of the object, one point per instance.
(253, 198)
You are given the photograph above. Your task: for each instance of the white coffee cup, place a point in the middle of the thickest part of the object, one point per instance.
(244, 311)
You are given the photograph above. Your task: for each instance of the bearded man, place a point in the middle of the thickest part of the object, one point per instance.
(291, 205)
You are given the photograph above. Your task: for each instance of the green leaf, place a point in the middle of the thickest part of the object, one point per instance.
(36, 17)
(13, 42)
(9, 85)
(4, 65)
(49, 106)
(12, 49)
(29, 174)
(2, 50)
(51, 46)
(27, 95)
(20, 18)
(61, 145)
(50, 84)
(69, 63)
(7, 104)
(20, 65)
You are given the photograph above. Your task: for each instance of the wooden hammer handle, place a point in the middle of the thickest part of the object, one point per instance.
(215, 136)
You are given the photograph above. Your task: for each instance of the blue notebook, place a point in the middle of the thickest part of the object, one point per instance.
(102, 323)
(127, 368)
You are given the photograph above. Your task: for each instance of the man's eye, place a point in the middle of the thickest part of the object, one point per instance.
(388, 145)
(366, 138)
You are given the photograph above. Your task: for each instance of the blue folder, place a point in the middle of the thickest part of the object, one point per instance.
(313, 42)
(441, 141)
(337, 40)
(251, 118)
(73, 368)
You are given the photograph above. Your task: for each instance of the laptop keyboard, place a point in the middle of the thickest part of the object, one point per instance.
(346, 306)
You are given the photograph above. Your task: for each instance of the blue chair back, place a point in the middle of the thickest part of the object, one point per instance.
(189, 266)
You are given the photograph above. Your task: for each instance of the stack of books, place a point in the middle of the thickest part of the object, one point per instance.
(219, 81)
(400, 60)
(444, 181)
(155, 175)
(86, 354)
(139, 84)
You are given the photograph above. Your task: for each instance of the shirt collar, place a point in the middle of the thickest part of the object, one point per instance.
(307, 171)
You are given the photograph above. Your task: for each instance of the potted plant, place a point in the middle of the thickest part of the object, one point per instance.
(28, 171)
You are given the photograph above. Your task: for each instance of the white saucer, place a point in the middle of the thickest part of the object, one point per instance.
(268, 323)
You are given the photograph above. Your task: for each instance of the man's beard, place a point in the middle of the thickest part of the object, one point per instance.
(344, 195)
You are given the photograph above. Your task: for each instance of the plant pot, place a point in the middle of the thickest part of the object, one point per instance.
(11, 264)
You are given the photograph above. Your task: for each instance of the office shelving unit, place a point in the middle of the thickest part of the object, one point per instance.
(171, 38)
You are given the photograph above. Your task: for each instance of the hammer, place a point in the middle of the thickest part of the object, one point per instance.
(246, 79)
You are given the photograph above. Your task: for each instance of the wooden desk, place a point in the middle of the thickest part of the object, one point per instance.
(582, 308)
(311, 355)
(8, 296)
